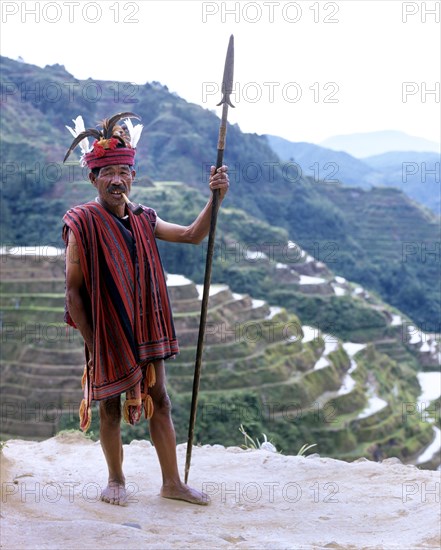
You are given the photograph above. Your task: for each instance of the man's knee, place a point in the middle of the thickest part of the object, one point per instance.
(161, 400)
(110, 410)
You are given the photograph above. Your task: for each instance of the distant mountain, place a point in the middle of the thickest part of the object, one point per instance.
(392, 159)
(415, 173)
(366, 144)
(325, 164)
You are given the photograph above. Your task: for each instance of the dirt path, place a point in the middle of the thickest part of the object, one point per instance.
(259, 500)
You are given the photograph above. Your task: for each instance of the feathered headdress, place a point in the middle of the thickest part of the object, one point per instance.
(114, 144)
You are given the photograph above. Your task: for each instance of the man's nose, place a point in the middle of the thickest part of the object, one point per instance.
(116, 178)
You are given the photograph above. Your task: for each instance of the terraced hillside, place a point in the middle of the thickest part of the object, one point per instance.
(263, 368)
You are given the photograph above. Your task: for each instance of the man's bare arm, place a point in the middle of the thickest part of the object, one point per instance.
(198, 230)
(74, 300)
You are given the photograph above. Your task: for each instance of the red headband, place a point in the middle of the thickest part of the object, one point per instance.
(120, 155)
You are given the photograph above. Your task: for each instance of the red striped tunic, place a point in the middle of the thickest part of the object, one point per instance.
(126, 294)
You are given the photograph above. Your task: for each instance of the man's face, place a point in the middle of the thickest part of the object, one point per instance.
(111, 182)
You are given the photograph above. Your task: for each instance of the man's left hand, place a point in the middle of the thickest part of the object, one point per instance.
(219, 180)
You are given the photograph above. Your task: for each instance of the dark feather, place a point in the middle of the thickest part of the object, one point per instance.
(109, 123)
(121, 141)
(90, 132)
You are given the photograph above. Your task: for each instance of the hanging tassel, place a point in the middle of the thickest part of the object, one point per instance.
(131, 416)
(151, 375)
(150, 380)
(149, 409)
(85, 411)
(126, 416)
(85, 416)
(84, 378)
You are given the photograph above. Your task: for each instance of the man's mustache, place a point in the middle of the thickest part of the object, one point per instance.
(118, 188)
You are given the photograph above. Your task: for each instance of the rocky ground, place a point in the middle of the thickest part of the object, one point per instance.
(259, 500)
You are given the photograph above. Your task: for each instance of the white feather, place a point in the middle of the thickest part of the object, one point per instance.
(79, 127)
(134, 132)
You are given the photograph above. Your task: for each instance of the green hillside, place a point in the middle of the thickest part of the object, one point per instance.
(262, 366)
(378, 238)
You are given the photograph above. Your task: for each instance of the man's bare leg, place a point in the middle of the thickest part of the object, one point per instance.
(163, 436)
(110, 437)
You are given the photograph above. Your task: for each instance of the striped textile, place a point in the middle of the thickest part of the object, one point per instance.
(127, 296)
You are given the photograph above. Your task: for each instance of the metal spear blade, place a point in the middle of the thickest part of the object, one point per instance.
(227, 81)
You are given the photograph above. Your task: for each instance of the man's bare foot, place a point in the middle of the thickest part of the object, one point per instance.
(115, 493)
(184, 492)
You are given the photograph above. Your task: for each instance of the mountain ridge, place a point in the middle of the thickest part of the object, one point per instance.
(417, 174)
(365, 144)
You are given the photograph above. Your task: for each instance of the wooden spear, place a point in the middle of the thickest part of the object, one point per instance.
(227, 87)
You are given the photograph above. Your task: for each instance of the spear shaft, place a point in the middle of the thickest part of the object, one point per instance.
(227, 86)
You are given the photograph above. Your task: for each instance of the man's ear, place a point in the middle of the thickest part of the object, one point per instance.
(133, 174)
(92, 178)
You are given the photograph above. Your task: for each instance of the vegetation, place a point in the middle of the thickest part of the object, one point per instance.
(378, 238)
(374, 238)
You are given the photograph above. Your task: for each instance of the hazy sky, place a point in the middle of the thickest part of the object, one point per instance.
(303, 70)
